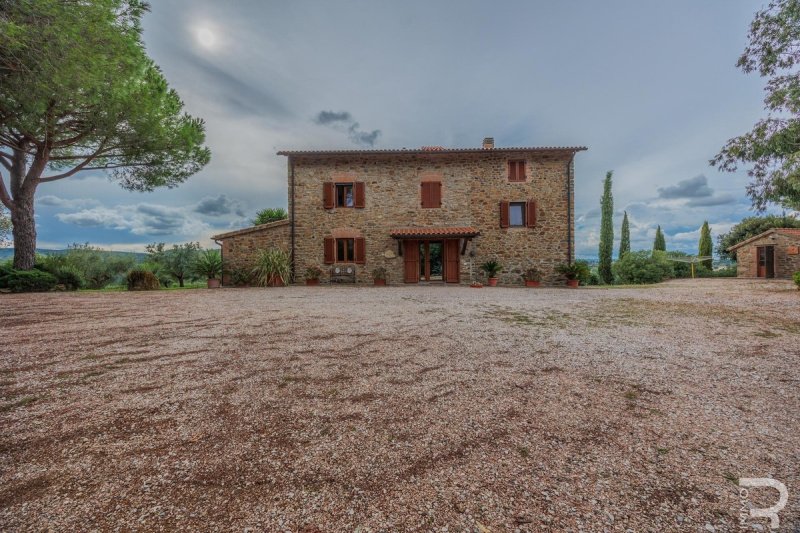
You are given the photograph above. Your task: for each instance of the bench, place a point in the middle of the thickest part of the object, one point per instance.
(343, 274)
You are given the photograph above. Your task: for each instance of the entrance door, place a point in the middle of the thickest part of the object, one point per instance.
(765, 261)
(451, 261)
(431, 264)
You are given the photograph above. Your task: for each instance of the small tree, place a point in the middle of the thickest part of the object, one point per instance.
(270, 214)
(606, 231)
(177, 261)
(705, 247)
(625, 239)
(659, 244)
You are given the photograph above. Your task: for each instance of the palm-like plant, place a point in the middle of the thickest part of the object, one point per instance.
(273, 267)
(208, 264)
(492, 268)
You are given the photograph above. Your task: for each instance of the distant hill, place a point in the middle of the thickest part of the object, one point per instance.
(8, 253)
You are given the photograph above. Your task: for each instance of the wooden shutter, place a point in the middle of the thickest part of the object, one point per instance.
(359, 251)
(330, 250)
(431, 194)
(451, 263)
(516, 170)
(328, 190)
(360, 198)
(755, 263)
(504, 214)
(424, 194)
(530, 216)
(411, 261)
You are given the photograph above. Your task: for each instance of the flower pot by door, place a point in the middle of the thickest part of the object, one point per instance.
(213, 283)
(312, 282)
(573, 283)
(380, 282)
(493, 282)
(532, 283)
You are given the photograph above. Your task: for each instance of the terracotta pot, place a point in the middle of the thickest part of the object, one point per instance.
(312, 282)
(380, 282)
(492, 282)
(476, 286)
(276, 282)
(529, 283)
(573, 283)
(213, 283)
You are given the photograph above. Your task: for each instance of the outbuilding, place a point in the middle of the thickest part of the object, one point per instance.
(772, 254)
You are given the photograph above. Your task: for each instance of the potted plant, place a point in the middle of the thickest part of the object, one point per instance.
(313, 273)
(209, 264)
(492, 268)
(476, 285)
(379, 276)
(272, 268)
(575, 272)
(532, 277)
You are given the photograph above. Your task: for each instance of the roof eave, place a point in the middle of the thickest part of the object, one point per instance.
(404, 151)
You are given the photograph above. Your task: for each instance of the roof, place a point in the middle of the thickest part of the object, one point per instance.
(430, 150)
(792, 232)
(453, 231)
(260, 227)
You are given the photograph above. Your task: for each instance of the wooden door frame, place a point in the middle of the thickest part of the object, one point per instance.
(769, 253)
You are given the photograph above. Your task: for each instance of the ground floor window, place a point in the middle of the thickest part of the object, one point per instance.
(516, 214)
(345, 250)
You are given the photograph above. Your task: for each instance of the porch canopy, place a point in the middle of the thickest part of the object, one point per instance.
(440, 232)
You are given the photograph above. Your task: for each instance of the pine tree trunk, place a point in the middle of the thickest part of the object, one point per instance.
(24, 230)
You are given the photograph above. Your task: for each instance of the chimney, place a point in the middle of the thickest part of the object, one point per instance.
(488, 143)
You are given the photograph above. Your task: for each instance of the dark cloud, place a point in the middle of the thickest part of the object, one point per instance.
(218, 206)
(363, 138)
(330, 117)
(723, 199)
(696, 187)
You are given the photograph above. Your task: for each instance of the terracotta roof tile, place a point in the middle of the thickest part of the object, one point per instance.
(414, 233)
(430, 150)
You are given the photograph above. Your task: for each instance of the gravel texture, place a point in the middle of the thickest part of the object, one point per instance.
(320, 409)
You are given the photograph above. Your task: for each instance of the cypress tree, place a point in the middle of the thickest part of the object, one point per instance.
(625, 240)
(606, 231)
(659, 243)
(705, 246)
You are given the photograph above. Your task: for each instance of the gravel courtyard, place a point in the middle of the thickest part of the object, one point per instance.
(399, 409)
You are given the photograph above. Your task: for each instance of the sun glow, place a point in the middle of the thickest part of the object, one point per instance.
(206, 37)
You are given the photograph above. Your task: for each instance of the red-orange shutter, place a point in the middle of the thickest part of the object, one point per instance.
(330, 250)
(360, 251)
(533, 207)
(411, 261)
(755, 271)
(504, 214)
(437, 194)
(327, 195)
(521, 170)
(512, 171)
(451, 262)
(423, 194)
(360, 195)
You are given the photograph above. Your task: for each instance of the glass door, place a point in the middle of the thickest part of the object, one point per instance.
(431, 260)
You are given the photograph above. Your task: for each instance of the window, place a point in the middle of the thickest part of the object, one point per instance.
(516, 170)
(344, 195)
(516, 214)
(345, 250)
(431, 194)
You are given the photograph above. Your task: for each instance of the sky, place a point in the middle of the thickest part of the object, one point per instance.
(651, 88)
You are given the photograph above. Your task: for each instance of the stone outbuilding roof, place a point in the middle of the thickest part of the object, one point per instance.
(428, 150)
(792, 232)
(260, 227)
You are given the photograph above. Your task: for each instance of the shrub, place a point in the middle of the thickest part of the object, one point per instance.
(576, 270)
(209, 264)
(270, 214)
(532, 274)
(272, 267)
(379, 273)
(163, 276)
(643, 267)
(240, 276)
(492, 268)
(142, 280)
(313, 273)
(28, 280)
(69, 278)
(796, 278)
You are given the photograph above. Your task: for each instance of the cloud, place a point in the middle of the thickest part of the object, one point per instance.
(218, 206)
(68, 203)
(343, 120)
(722, 199)
(696, 187)
(142, 219)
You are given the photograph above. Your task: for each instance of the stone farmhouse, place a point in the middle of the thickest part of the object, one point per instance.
(426, 215)
(772, 254)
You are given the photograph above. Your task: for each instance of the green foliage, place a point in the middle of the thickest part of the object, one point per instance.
(606, 231)
(27, 280)
(163, 277)
(240, 276)
(625, 239)
(750, 227)
(94, 267)
(659, 244)
(578, 269)
(273, 267)
(796, 279)
(643, 267)
(724, 272)
(379, 273)
(773, 145)
(706, 247)
(532, 274)
(78, 92)
(142, 280)
(270, 214)
(680, 269)
(313, 273)
(177, 262)
(492, 268)
(209, 264)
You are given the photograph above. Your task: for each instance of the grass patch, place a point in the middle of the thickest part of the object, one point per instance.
(22, 402)
(730, 477)
(524, 451)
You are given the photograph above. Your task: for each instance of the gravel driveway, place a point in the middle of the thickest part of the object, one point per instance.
(399, 409)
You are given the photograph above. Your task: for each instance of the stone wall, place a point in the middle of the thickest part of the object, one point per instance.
(786, 261)
(473, 186)
(240, 248)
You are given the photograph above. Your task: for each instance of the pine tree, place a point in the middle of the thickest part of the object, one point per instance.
(625, 240)
(606, 231)
(705, 246)
(659, 243)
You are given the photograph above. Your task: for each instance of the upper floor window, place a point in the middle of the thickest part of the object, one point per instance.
(519, 214)
(347, 194)
(516, 170)
(516, 214)
(344, 195)
(431, 192)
